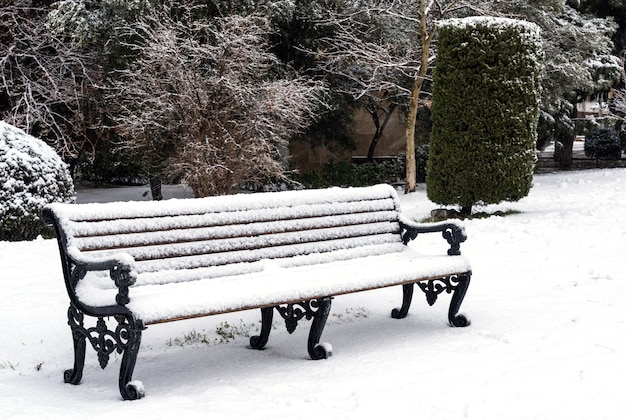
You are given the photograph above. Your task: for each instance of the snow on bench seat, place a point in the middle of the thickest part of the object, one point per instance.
(272, 282)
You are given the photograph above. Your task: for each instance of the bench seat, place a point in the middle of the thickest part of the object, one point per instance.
(271, 282)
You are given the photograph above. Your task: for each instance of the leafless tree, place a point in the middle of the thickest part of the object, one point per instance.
(369, 61)
(45, 82)
(384, 49)
(205, 101)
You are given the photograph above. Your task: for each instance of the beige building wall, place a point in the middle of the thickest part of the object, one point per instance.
(305, 158)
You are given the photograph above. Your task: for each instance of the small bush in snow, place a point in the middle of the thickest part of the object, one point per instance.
(603, 143)
(31, 175)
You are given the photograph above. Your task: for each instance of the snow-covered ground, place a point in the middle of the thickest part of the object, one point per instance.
(547, 340)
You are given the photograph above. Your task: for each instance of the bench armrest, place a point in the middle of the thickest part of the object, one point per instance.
(451, 230)
(120, 267)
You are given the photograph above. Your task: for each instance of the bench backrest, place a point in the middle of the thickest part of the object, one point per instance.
(219, 231)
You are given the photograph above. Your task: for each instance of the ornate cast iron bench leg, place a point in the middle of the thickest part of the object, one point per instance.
(316, 349)
(259, 341)
(318, 310)
(457, 285)
(407, 296)
(125, 339)
(128, 335)
(456, 319)
(75, 321)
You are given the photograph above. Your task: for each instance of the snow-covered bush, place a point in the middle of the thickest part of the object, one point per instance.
(206, 101)
(486, 89)
(31, 175)
(603, 143)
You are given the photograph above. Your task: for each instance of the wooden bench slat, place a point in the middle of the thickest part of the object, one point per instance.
(214, 219)
(250, 254)
(147, 275)
(180, 270)
(241, 229)
(275, 284)
(332, 198)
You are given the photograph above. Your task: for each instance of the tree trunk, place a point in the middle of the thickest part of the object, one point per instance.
(377, 133)
(563, 152)
(380, 127)
(411, 167)
(411, 170)
(373, 143)
(155, 188)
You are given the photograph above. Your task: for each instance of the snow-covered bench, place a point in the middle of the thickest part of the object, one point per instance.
(152, 262)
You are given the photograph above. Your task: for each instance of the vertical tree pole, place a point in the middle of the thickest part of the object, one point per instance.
(427, 35)
(411, 171)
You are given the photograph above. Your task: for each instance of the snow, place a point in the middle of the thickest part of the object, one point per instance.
(492, 22)
(195, 227)
(274, 284)
(31, 176)
(239, 202)
(547, 340)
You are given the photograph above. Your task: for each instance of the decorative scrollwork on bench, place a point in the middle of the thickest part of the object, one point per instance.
(433, 288)
(454, 236)
(123, 278)
(103, 340)
(453, 233)
(455, 284)
(408, 235)
(316, 309)
(77, 273)
(294, 312)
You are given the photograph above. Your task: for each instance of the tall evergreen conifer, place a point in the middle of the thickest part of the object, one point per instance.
(484, 113)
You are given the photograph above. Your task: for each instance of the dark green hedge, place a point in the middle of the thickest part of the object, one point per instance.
(603, 143)
(484, 112)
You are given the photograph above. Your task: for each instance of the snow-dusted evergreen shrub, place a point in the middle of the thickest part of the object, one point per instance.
(31, 175)
(603, 143)
(484, 113)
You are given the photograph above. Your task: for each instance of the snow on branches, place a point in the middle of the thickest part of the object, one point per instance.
(208, 99)
(44, 80)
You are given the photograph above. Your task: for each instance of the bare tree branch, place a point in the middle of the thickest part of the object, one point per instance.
(203, 102)
(45, 81)
(384, 52)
